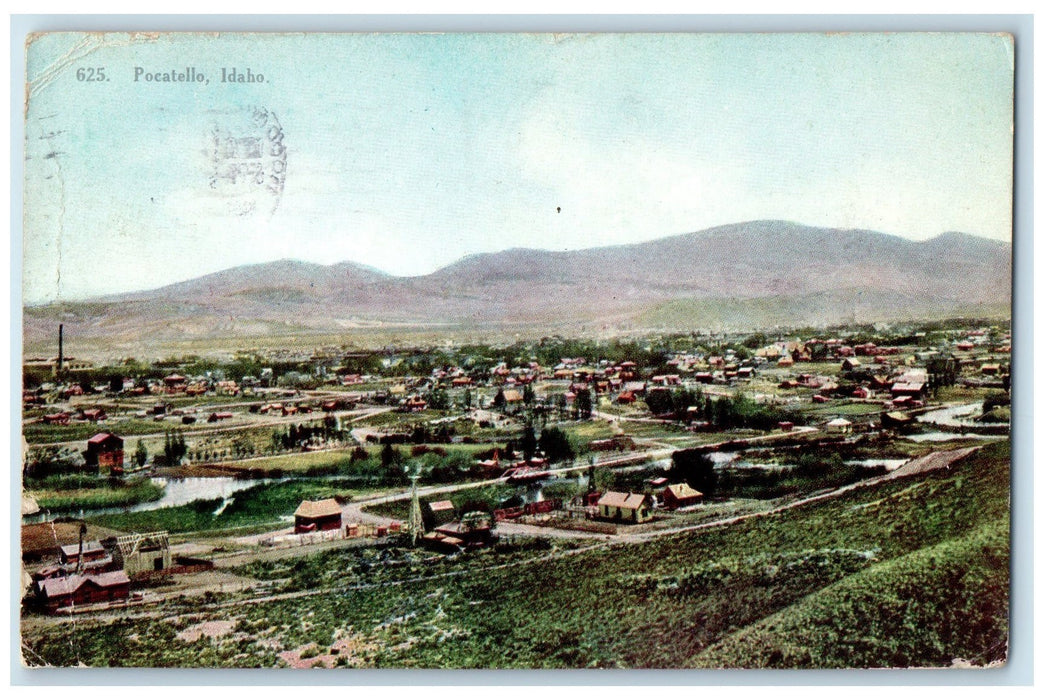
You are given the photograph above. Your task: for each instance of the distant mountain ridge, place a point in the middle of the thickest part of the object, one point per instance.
(878, 276)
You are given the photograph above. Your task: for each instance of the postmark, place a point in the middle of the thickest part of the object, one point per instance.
(247, 160)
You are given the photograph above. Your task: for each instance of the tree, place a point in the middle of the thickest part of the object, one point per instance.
(141, 455)
(582, 404)
(389, 455)
(467, 398)
(499, 401)
(529, 442)
(527, 395)
(694, 468)
(555, 444)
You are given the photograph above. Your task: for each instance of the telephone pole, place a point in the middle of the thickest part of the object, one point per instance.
(416, 523)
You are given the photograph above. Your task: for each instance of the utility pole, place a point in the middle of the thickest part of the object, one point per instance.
(416, 523)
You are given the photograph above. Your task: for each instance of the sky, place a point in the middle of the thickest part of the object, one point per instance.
(406, 152)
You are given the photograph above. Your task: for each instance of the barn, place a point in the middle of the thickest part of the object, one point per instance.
(311, 516)
(69, 591)
(105, 451)
(680, 495)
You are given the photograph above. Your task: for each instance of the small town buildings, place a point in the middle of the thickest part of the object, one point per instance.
(625, 507)
(70, 554)
(896, 419)
(839, 425)
(144, 552)
(915, 390)
(680, 495)
(94, 414)
(105, 451)
(82, 589)
(850, 363)
(312, 516)
(441, 512)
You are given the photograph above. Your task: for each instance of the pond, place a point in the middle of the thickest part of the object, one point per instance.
(177, 492)
(963, 415)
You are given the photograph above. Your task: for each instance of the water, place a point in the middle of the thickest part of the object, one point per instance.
(889, 464)
(939, 436)
(720, 459)
(177, 492)
(953, 416)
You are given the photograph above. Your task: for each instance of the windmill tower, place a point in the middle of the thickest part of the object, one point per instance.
(416, 523)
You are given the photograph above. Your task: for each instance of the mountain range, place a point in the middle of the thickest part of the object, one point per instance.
(746, 275)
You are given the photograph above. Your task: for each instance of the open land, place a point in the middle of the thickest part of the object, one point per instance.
(813, 498)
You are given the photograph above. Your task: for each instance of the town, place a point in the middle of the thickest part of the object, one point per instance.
(206, 481)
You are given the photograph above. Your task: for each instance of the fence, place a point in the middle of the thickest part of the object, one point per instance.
(347, 532)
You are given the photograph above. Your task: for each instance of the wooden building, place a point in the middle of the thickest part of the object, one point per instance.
(311, 516)
(143, 552)
(69, 591)
(71, 553)
(626, 507)
(680, 495)
(105, 451)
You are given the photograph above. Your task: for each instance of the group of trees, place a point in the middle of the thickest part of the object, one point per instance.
(174, 447)
(295, 436)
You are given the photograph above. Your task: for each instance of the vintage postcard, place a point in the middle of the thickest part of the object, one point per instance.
(527, 351)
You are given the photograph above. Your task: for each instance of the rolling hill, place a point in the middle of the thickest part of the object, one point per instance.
(737, 276)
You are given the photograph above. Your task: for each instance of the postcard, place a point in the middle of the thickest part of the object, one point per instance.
(509, 350)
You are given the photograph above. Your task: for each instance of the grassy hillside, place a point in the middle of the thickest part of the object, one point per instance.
(910, 572)
(927, 608)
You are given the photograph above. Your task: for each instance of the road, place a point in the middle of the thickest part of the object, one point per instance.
(261, 422)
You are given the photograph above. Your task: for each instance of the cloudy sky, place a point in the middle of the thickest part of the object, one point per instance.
(407, 152)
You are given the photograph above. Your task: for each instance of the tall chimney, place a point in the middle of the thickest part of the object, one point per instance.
(61, 356)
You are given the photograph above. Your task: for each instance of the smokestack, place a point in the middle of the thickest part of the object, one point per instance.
(61, 355)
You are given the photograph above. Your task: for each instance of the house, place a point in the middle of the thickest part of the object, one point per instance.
(839, 425)
(680, 495)
(896, 419)
(415, 403)
(311, 516)
(512, 396)
(442, 512)
(61, 418)
(94, 414)
(68, 591)
(105, 450)
(915, 390)
(626, 507)
(92, 552)
(850, 363)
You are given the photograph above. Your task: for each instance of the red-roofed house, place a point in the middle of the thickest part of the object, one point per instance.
(680, 495)
(105, 450)
(317, 515)
(67, 591)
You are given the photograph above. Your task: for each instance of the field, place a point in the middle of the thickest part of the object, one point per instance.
(265, 504)
(910, 572)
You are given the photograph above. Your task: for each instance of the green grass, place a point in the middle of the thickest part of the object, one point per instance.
(258, 505)
(37, 433)
(912, 570)
(926, 608)
(101, 496)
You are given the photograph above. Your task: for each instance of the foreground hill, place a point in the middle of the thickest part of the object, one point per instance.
(910, 572)
(737, 276)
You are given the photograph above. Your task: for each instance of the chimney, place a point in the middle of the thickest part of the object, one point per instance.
(61, 356)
